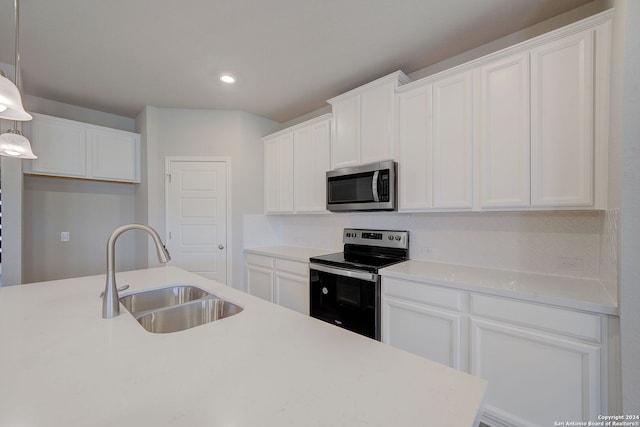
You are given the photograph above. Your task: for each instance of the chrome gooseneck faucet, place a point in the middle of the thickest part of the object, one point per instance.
(110, 300)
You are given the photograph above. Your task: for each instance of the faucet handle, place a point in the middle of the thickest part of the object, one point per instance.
(120, 289)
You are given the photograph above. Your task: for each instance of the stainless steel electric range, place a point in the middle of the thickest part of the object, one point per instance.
(345, 286)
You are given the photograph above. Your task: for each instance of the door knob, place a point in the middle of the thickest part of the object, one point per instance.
(220, 246)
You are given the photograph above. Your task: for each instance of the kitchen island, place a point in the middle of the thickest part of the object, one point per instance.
(61, 364)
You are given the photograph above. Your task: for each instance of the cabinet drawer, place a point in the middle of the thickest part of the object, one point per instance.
(295, 267)
(420, 292)
(572, 323)
(262, 261)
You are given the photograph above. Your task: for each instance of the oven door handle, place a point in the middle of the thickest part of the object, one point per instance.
(369, 277)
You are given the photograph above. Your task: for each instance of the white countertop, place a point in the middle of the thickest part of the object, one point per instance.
(61, 364)
(293, 253)
(568, 292)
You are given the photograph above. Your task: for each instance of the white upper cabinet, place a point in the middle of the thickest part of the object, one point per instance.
(562, 122)
(524, 128)
(296, 162)
(345, 144)
(278, 171)
(115, 155)
(453, 142)
(61, 147)
(364, 122)
(503, 133)
(72, 149)
(435, 147)
(415, 148)
(311, 163)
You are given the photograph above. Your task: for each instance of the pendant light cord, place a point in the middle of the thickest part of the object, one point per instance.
(17, 43)
(16, 19)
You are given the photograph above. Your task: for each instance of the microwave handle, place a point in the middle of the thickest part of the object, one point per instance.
(374, 186)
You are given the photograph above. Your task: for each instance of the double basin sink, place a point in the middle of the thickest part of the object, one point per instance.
(176, 308)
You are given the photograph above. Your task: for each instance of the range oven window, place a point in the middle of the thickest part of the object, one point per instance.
(347, 302)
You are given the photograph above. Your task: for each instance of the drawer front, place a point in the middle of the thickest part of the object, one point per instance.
(294, 267)
(420, 292)
(262, 261)
(567, 322)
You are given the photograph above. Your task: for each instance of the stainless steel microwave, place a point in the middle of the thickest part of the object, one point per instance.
(370, 187)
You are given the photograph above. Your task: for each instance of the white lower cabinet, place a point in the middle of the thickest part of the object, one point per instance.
(424, 320)
(258, 272)
(278, 280)
(542, 363)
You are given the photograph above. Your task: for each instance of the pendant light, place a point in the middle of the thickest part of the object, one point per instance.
(12, 142)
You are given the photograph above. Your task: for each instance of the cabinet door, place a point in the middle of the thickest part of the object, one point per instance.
(453, 142)
(345, 143)
(311, 162)
(292, 291)
(61, 146)
(415, 149)
(115, 155)
(279, 174)
(534, 378)
(561, 122)
(503, 134)
(428, 332)
(259, 281)
(377, 124)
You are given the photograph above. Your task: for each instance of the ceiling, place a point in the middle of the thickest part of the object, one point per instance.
(289, 56)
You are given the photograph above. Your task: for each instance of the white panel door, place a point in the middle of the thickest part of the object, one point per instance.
(504, 133)
(562, 122)
(197, 217)
(453, 142)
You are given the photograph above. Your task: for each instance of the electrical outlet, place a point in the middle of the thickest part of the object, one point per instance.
(571, 264)
(426, 252)
(64, 236)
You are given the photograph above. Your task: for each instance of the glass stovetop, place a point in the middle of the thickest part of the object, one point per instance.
(370, 263)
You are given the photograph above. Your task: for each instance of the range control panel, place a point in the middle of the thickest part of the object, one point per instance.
(385, 238)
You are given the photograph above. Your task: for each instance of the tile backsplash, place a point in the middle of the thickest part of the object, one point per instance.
(568, 243)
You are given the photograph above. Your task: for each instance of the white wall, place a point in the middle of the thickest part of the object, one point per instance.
(80, 114)
(207, 133)
(89, 211)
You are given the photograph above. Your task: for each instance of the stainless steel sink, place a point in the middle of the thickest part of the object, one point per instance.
(160, 298)
(176, 308)
(187, 315)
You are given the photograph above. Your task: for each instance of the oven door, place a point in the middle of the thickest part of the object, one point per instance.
(346, 298)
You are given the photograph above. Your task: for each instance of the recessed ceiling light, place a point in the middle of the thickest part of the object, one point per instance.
(227, 78)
